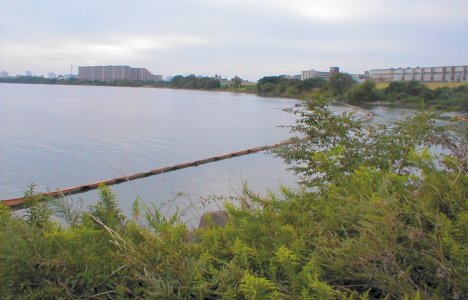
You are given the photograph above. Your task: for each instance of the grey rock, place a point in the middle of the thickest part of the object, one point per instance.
(214, 218)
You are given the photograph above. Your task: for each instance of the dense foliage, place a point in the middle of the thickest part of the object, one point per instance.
(411, 93)
(74, 81)
(287, 87)
(304, 89)
(194, 82)
(37, 80)
(365, 92)
(342, 87)
(378, 216)
(340, 83)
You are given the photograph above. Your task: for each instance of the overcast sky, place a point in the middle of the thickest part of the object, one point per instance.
(249, 38)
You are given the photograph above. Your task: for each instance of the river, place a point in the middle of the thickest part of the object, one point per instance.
(60, 136)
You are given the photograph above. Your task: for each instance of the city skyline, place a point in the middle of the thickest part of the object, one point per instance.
(246, 38)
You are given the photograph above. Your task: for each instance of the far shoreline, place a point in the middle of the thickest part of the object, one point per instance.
(361, 105)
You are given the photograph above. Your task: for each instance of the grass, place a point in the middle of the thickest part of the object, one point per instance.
(435, 85)
(249, 88)
(431, 85)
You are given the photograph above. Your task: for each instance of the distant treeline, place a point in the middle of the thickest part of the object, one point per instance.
(342, 87)
(38, 80)
(194, 82)
(179, 81)
(282, 86)
(74, 81)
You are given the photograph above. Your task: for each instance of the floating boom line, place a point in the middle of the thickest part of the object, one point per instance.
(16, 202)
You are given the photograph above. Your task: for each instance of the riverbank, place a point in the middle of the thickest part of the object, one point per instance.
(368, 115)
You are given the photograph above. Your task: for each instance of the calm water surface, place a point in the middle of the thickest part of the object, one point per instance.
(61, 136)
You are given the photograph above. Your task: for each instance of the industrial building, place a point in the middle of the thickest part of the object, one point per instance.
(361, 77)
(425, 74)
(111, 73)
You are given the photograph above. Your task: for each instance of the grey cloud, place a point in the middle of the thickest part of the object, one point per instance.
(246, 38)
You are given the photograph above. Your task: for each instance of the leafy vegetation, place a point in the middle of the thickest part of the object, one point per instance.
(340, 83)
(37, 80)
(74, 81)
(193, 82)
(304, 89)
(342, 87)
(378, 216)
(411, 93)
(286, 87)
(248, 88)
(236, 82)
(365, 92)
(179, 81)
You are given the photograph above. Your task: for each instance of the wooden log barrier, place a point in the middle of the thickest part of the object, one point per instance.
(16, 202)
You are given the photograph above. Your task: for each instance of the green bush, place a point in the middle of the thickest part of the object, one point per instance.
(340, 83)
(194, 82)
(412, 93)
(287, 87)
(377, 216)
(364, 93)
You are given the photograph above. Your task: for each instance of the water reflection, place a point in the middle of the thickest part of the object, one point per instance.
(61, 136)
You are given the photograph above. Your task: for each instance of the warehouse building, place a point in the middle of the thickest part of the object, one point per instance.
(426, 74)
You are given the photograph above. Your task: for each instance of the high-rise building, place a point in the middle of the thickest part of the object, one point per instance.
(111, 73)
(28, 74)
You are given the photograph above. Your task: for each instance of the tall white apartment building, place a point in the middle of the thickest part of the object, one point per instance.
(319, 74)
(111, 73)
(314, 74)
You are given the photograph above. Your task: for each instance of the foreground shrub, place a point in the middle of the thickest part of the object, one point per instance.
(394, 226)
